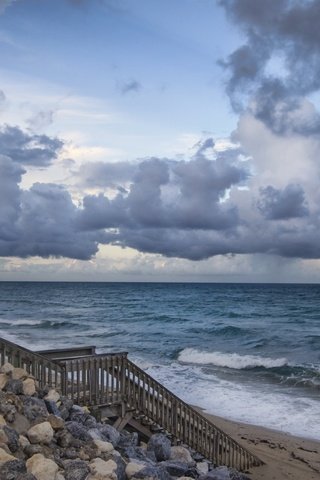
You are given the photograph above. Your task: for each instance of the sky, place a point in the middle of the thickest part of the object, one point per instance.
(148, 140)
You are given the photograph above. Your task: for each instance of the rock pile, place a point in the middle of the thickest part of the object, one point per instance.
(44, 436)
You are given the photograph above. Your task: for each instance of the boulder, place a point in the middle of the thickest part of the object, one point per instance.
(219, 473)
(160, 445)
(14, 386)
(56, 423)
(76, 470)
(78, 431)
(13, 469)
(23, 441)
(102, 470)
(42, 468)
(103, 447)
(29, 387)
(7, 368)
(19, 374)
(52, 408)
(109, 434)
(202, 468)
(176, 469)
(181, 454)
(5, 456)
(3, 380)
(41, 433)
(133, 468)
(34, 409)
(13, 439)
(2, 421)
(52, 396)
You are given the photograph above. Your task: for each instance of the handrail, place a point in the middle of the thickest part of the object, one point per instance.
(109, 379)
(46, 372)
(187, 425)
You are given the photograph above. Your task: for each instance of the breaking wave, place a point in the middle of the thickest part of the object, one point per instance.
(229, 360)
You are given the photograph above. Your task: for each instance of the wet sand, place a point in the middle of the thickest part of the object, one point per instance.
(285, 456)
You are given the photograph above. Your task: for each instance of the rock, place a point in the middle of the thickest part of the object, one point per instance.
(78, 431)
(8, 411)
(181, 454)
(133, 468)
(64, 438)
(139, 453)
(14, 386)
(109, 433)
(23, 441)
(5, 457)
(3, 436)
(52, 396)
(13, 439)
(52, 408)
(7, 368)
(11, 470)
(41, 433)
(128, 439)
(3, 380)
(42, 468)
(103, 447)
(202, 468)
(29, 387)
(21, 424)
(34, 409)
(64, 407)
(56, 423)
(76, 470)
(19, 374)
(31, 450)
(101, 470)
(220, 473)
(176, 469)
(161, 446)
(2, 421)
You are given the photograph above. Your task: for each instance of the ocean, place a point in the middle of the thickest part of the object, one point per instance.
(247, 352)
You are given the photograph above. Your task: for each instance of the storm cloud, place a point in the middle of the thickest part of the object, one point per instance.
(28, 149)
(279, 65)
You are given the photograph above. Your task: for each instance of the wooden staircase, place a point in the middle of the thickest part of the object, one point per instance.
(117, 389)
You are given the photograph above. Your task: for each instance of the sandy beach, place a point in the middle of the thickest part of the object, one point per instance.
(285, 456)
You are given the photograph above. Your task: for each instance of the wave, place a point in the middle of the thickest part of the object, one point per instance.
(229, 360)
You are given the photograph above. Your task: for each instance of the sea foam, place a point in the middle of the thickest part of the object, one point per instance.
(229, 360)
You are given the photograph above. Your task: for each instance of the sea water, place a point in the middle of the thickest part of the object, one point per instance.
(246, 352)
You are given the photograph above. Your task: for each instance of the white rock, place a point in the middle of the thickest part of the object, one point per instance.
(2, 421)
(19, 374)
(202, 468)
(6, 368)
(3, 436)
(3, 380)
(5, 457)
(134, 467)
(29, 387)
(41, 433)
(101, 470)
(181, 454)
(59, 476)
(56, 423)
(52, 396)
(103, 446)
(42, 468)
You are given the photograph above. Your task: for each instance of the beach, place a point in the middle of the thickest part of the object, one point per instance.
(285, 456)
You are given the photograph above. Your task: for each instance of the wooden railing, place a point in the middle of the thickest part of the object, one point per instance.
(110, 379)
(45, 371)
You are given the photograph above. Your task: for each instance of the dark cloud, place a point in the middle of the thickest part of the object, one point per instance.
(130, 86)
(103, 174)
(40, 221)
(28, 149)
(283, 204)
(279, 65)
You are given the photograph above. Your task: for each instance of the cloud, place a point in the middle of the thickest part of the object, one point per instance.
(130, 86)
(279, 65)
(28, 149)
(283, 204)
(41, 119)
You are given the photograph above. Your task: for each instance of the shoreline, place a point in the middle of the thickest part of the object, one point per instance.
(285, 456)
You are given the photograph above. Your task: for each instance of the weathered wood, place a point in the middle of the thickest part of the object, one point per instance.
(123, 390)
